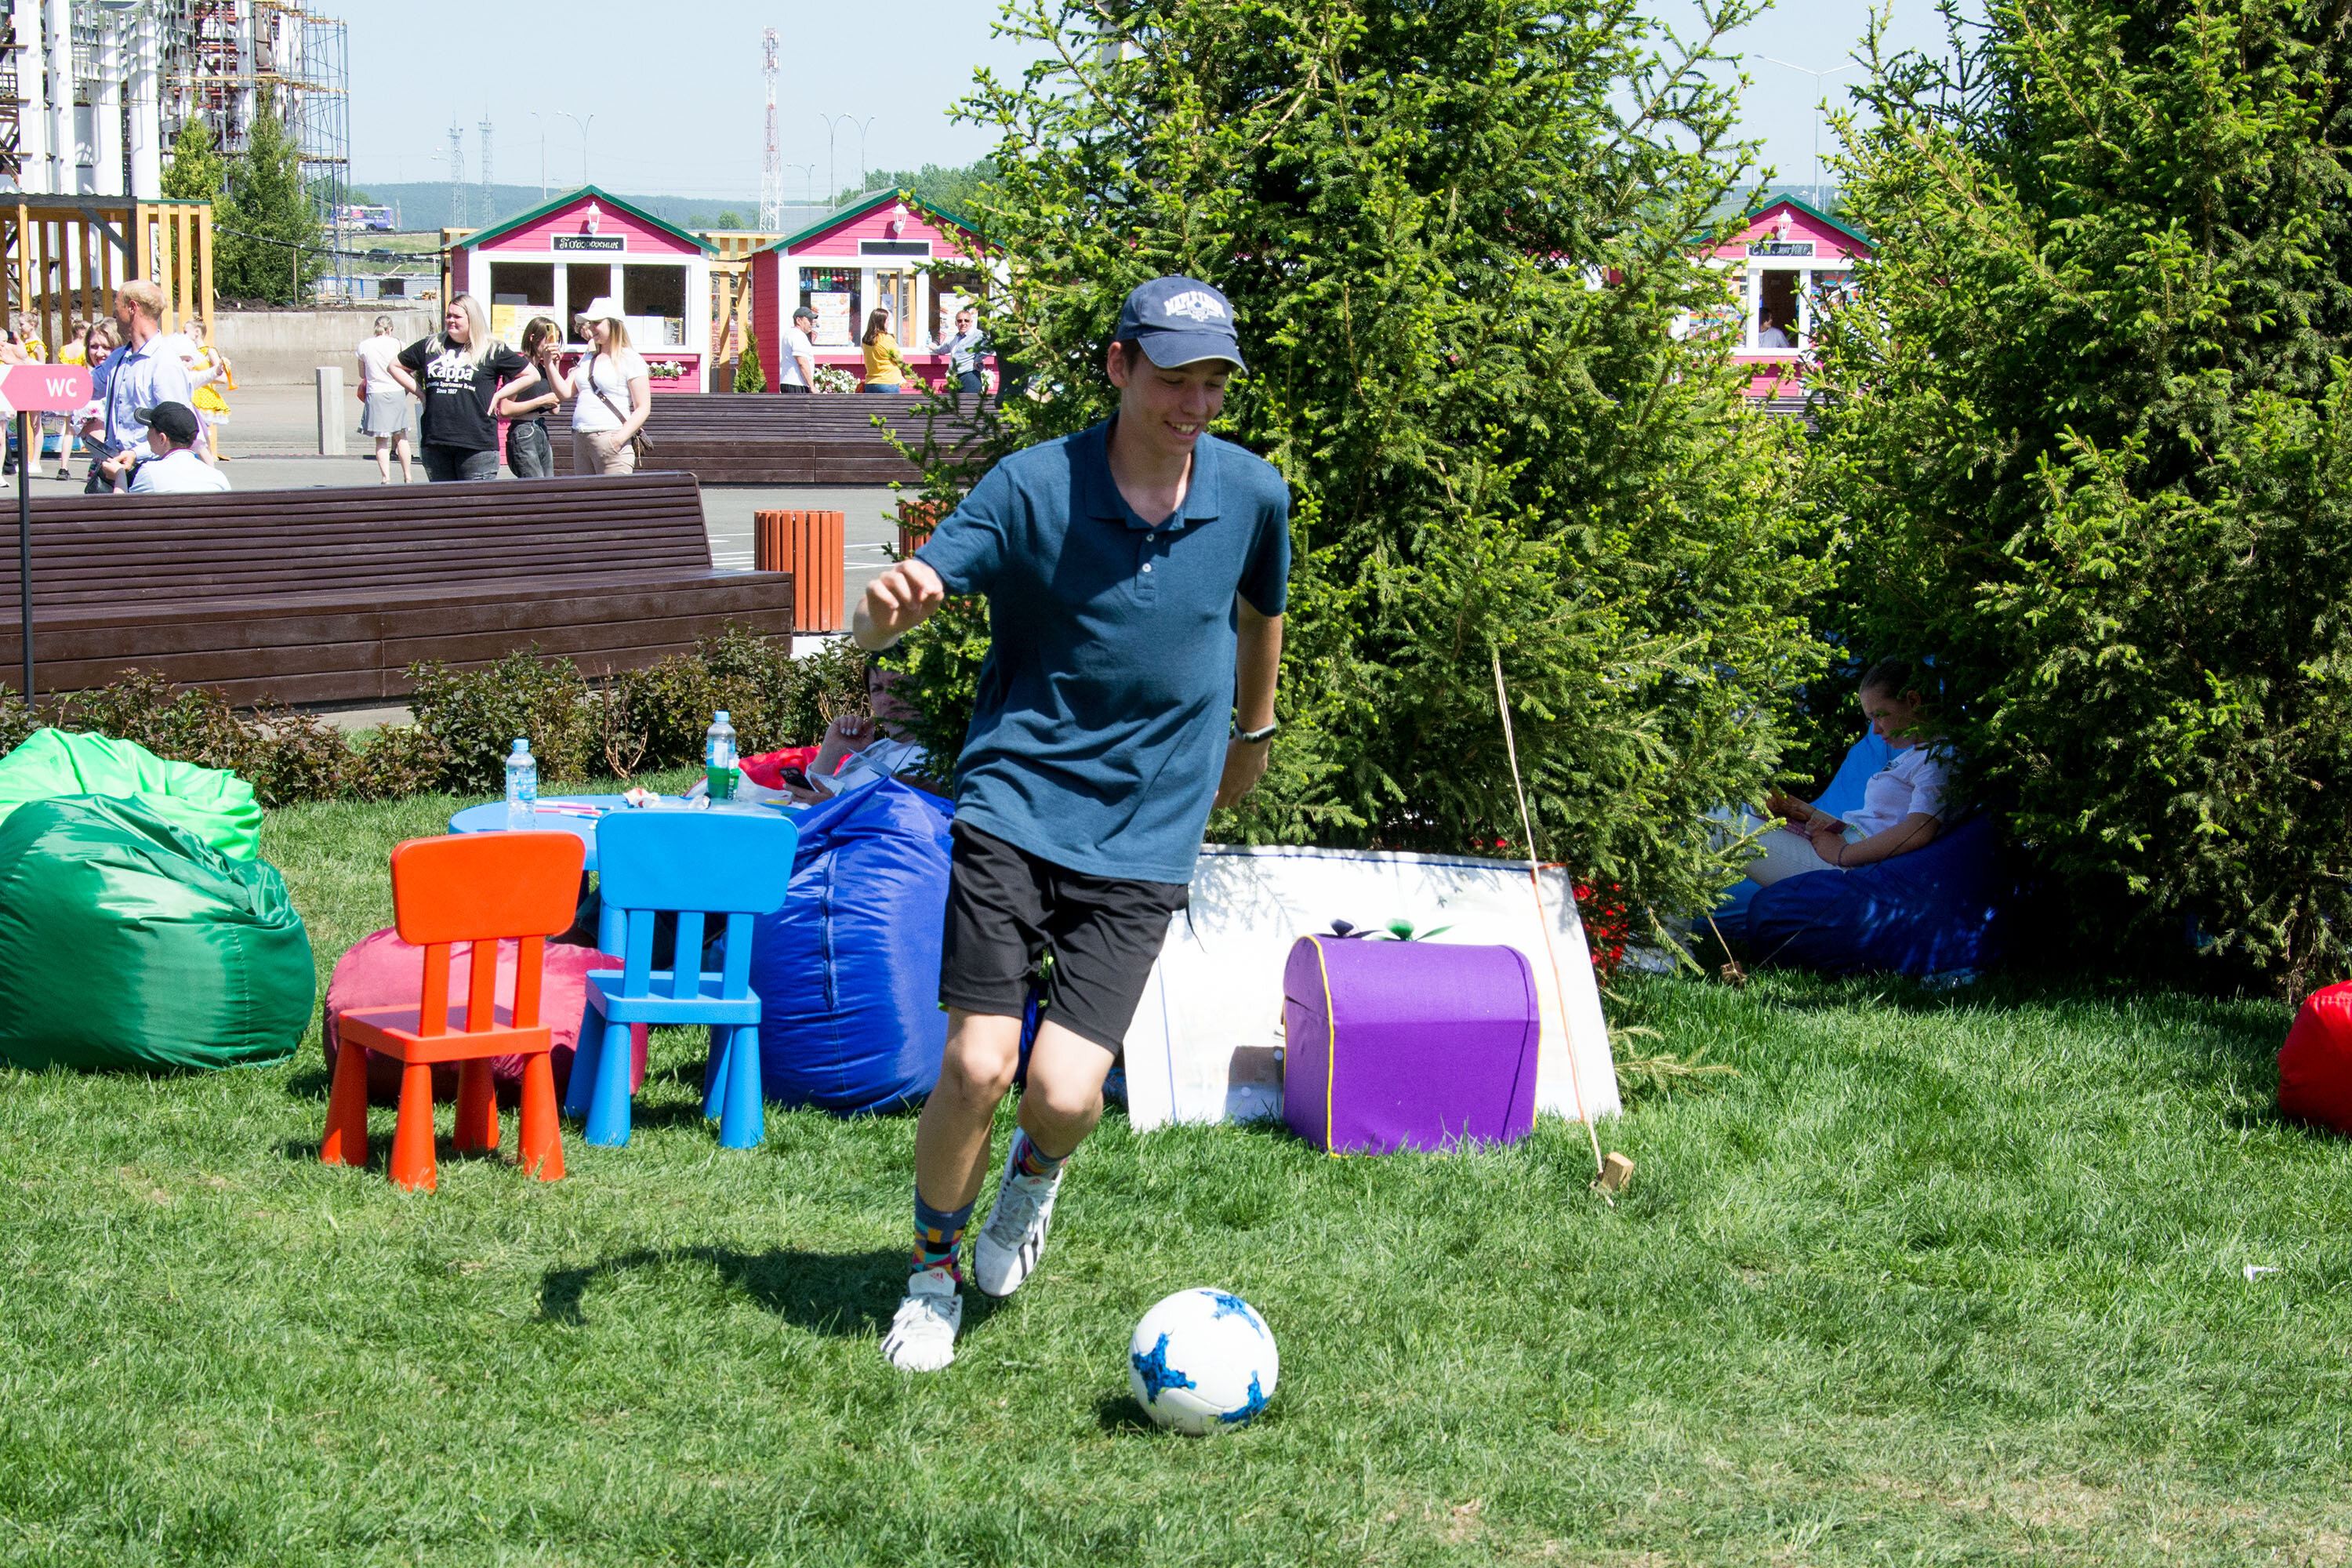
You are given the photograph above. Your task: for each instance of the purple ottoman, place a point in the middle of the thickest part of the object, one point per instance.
(1407, 1044)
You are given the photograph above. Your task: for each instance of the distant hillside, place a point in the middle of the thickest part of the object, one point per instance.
(427, 206)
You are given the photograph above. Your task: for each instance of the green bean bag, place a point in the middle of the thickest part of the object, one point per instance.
(219, 807)
(126, 943)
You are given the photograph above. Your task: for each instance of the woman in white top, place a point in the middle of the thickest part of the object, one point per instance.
(384, 405)
(1902, 806)
(615, 393)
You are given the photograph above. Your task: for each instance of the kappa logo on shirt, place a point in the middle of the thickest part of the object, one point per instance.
(1198, 304)
(449, 371)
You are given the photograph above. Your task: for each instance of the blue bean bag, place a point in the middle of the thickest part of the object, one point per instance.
(1944, 908)
(848, 970)
(1865, 757)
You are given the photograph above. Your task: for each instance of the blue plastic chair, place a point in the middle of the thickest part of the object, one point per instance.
(682, 863)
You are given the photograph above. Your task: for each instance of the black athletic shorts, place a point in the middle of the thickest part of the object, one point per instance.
(1085, 943)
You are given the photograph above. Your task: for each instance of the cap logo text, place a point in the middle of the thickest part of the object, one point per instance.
(1197, 304)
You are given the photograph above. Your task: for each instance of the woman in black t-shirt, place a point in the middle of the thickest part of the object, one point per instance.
(456, 371)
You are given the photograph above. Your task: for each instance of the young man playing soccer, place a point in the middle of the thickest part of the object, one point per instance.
(1136, 580)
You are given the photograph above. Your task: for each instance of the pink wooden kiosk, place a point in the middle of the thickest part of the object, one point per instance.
(1782, 264)
(556, 258)
(884, 250)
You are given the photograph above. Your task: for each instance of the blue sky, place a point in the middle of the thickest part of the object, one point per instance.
(677, 107)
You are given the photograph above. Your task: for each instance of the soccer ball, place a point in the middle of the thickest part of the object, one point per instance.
(1202, 1359)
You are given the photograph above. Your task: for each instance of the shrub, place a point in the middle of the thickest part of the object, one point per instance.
(751, 376)
(466, 719)
(289, 756)
(2092, 432)
(397, 761)
(773, 699)
(477, 714)
(190, 724)
(285, 755)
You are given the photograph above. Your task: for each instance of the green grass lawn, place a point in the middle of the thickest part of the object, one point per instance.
(1935, 1279)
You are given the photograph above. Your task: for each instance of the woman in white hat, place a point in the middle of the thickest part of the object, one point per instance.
(615, 392)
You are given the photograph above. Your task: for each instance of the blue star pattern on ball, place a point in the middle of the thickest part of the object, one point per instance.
(1231, 1306)
(1255, 1402)
(1158, 1374)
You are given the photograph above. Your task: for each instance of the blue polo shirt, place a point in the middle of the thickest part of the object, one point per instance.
(1098, 730)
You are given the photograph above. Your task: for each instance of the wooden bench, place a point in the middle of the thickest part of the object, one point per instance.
(766, 439)
(328, 595)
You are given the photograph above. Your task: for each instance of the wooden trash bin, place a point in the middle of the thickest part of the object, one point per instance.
(916, 521)
(809, 545)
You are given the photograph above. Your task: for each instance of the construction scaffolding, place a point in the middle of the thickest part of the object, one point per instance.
(220, 57)
(12, 133)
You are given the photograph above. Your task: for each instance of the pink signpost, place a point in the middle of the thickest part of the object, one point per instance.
(31, 389)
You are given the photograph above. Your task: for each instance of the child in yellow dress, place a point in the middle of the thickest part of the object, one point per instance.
(27, 328)
(208, 372)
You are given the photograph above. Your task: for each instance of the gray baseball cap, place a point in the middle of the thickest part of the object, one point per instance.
(1180, 322)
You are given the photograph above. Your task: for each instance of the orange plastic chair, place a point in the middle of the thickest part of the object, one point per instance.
(476, 887)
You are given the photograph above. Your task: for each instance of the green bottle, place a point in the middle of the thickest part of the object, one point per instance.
(719, 769)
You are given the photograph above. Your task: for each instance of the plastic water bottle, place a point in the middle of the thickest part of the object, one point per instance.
(522, 785)
(719, 760)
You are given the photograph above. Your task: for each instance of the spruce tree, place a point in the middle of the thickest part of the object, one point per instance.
(195, 171)
(2092, 427)
(1459, 236)
(751, 376)
(266, 215)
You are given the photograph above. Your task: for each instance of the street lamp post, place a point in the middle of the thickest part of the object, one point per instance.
(831, 179)
(541, 124)
(583, 125)
(833, 123)
(1820, 106)
(862, 129)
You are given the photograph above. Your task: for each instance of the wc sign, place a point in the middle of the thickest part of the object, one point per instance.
(46, 388)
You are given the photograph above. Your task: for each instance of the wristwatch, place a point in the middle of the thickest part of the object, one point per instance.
(1258, 737)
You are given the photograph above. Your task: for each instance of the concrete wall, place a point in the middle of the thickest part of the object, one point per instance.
(281, 348)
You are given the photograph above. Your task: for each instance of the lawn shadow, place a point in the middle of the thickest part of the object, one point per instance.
(1121, 1413)
(668, 1112)
(1273, 1128)
(305, 1150)
(841, 1294)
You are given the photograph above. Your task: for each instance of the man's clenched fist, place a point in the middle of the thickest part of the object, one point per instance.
(895, 604)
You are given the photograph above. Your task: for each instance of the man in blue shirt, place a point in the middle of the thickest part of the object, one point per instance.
(145, 372)
(1136, 575)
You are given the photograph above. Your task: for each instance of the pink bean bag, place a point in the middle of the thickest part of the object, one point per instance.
(381, 971)
(2315, 1063)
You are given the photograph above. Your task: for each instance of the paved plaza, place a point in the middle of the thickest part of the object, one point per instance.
(272, 440)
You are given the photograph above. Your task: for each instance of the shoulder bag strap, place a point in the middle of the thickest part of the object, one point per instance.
(618, 412)
(640, 442)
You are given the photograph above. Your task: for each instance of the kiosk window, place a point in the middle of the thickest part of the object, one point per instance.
(523, 283)
(584, 284)
(652, 292)
(1776, 304)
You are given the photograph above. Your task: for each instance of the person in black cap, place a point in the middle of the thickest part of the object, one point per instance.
(1136, 575)
(171, 466)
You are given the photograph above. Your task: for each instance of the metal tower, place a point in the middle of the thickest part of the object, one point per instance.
(489, 197)
(456, 176)
(771, 168)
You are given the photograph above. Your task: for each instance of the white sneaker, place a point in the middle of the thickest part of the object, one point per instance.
(1008, 1248)
(922, 1336)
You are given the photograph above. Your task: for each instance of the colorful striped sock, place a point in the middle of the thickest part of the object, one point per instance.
(939, 1236)
(1028, 1159)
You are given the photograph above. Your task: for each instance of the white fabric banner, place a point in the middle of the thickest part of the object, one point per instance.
(1206, 1042)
